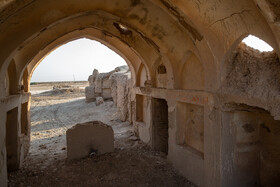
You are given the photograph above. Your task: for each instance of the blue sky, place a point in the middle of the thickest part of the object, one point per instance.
(77, 59)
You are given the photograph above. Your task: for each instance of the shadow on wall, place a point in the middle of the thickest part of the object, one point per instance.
(254, 146)
(114, 85)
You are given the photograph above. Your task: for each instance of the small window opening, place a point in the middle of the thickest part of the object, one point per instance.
(257, 43)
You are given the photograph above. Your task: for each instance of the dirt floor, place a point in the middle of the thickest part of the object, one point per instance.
(53, 111)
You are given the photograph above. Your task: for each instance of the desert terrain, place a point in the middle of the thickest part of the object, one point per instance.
(56, 107)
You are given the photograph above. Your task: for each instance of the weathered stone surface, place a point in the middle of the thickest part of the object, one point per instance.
(84, 139)
(106, 93)
(90, 94)
(180, 51)
(92, 77)
(100, 85)
(114, 85)
(120, 86)
(90, 80)
(99, 101)
(106, 83)
(90, 90)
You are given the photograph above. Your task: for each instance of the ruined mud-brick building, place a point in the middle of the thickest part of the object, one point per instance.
(211, 103)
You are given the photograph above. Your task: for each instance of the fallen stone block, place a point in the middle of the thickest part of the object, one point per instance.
(99, 101)
(90, 94)
(87, 138)
(98, 84)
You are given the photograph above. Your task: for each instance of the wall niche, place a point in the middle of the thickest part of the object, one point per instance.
(254, 146)
(190, 126)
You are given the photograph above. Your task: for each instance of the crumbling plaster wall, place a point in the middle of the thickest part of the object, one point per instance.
(253, 78)
(115, 85)
(166, 32)
(121, 85)
(250, 118)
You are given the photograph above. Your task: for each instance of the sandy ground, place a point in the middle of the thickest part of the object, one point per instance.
(54, 111)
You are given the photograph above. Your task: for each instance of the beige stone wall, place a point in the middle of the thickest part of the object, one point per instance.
(92, 137)
(115, 85)
(252, 146)
(196, 42)
(120, 91)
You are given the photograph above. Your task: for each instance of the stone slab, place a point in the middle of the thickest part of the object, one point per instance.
(90, 137)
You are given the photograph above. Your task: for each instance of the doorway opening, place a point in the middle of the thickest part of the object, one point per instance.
(160, 125)
(12, 140)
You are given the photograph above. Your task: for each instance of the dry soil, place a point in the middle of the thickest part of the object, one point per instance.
(53, 111)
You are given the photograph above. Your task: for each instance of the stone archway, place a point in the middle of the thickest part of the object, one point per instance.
(149, 34)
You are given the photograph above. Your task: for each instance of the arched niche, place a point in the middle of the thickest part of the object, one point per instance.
(161, 76)
(12, 77)
(192, 74)
(162, 70)
(142, 76)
